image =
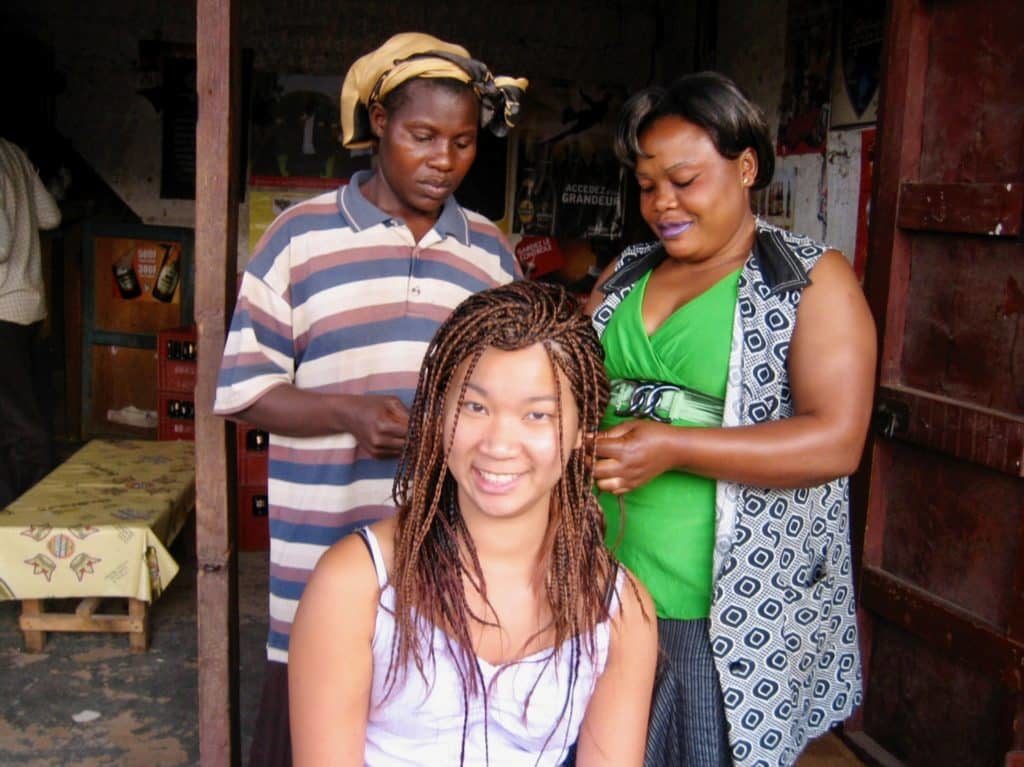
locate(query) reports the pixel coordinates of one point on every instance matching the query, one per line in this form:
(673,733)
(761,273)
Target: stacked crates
(176,383)
(252,448)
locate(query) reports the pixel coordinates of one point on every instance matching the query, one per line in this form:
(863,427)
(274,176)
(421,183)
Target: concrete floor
(87,701)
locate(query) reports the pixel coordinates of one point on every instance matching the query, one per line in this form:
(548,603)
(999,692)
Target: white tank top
(421,723)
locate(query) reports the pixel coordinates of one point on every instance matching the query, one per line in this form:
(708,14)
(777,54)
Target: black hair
(712,102)
(397,98)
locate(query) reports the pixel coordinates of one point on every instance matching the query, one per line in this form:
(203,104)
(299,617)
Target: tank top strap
(613,596)
(375,554)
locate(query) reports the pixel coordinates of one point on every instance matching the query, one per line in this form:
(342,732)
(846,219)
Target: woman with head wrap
(338,304)
(420,101)
(487,624)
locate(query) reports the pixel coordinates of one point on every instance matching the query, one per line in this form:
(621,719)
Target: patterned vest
(783,621)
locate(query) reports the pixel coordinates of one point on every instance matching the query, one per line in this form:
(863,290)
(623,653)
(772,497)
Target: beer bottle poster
(142,270)
(568,183)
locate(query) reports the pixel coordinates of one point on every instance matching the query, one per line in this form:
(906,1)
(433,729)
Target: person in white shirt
(25,207)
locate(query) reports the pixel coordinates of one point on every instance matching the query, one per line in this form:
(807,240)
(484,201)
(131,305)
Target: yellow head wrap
(413,54)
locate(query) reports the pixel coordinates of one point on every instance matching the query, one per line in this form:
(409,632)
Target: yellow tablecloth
(97,525)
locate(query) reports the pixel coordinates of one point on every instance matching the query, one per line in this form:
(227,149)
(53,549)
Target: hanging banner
(568,182)
(858,66)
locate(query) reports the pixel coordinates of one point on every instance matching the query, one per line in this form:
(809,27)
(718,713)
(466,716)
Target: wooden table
(97,528)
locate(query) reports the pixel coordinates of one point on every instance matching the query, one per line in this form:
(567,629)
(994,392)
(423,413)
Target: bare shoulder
(345,569)
(835,295)
(833,272)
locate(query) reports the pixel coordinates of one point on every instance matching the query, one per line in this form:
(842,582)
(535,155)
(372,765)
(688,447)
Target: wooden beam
(887,272)
(944,626)
(989,209)
(217,150)
(35,639)
(980,435)
(70,622)
(901,118)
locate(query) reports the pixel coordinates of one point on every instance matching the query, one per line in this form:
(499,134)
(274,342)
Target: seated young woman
(487,623)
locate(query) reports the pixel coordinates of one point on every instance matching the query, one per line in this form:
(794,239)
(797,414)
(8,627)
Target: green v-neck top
(666,536)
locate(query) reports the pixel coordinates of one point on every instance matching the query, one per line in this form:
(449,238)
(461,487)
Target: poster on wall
(295,132)
(858,66)
(568,183)
(268,202)
(806,88)
(142,271)
(774,203)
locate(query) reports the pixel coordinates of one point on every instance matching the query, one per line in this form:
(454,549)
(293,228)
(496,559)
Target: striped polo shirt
(340,298)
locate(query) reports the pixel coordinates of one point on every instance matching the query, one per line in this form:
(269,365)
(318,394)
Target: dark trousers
(26,443)
(687,727)
(272,739)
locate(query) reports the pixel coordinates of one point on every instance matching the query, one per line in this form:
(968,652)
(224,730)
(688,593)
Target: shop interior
(863,100)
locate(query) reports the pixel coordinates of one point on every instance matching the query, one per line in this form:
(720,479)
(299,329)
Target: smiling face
(427,145)
(693,198)
(505,453)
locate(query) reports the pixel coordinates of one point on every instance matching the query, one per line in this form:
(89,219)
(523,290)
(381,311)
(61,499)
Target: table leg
(138,637)
(34,640)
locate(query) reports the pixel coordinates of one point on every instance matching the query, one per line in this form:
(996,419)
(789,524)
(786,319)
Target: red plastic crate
(176,359)
(253,524)
(175,413)
(252,452)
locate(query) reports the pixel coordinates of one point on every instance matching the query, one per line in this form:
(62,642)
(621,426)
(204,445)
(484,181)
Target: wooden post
(138,636)
(34,640)
(217,150)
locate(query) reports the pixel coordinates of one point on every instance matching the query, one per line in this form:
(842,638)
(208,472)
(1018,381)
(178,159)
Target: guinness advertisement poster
(568,183)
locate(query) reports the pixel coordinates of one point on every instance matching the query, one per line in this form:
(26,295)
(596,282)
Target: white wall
(752,51)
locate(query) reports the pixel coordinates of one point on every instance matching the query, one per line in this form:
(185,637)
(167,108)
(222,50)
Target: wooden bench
(35,622)
(95,531)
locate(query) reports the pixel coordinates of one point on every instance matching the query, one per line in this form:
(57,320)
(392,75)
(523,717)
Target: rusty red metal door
(942,579)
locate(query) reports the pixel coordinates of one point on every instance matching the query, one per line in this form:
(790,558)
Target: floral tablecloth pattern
(99,524)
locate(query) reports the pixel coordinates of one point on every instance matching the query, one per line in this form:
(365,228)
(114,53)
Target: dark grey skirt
(687,727)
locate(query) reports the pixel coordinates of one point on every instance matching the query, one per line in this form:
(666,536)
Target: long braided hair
(433,549)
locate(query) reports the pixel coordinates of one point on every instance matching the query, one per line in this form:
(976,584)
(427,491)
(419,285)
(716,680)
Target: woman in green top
(741,681)
(689,349)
